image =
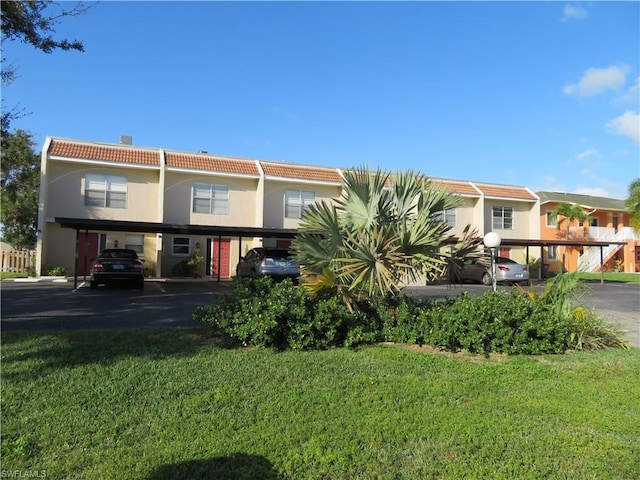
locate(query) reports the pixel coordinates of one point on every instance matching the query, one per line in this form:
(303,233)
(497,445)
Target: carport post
(601,266)
(219,256)
(86,252)
(75,264)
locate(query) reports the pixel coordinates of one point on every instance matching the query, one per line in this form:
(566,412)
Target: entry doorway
(89,245)
(218,257)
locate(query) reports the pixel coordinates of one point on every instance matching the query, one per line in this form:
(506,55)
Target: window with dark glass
(210,198)
(502,218)
(296,201)
(105,191)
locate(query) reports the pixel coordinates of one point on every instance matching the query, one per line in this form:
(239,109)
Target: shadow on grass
(238,466)
(29,355)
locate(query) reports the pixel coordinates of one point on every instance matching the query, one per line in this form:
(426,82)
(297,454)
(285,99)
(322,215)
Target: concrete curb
(38,280)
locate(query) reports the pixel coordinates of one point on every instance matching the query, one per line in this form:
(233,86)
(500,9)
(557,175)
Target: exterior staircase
(589,261)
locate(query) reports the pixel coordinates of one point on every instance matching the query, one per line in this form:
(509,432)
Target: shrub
(587,331)
(494,322)
(57,271)
(282,316)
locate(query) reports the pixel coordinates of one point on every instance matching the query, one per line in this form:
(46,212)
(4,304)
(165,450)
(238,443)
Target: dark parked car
(507,270)
(117,265)
(277,263)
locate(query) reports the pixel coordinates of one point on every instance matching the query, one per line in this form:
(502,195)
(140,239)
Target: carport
(514,242)
(86,224)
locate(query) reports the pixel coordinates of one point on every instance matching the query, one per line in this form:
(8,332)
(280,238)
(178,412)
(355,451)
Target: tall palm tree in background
(386,230)
(633,203)
(569,213)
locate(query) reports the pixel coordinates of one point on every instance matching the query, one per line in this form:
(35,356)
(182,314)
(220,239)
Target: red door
(220,253)
(504,252)
(88,246)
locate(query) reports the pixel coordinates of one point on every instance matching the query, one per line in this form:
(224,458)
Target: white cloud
(592,152)
(598,80)
(572,12)
(551,184)
(627,124)
(593,191)
(583,158)
(632,95)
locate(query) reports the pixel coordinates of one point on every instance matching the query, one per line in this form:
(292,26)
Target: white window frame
(502,221)
(552,252)
(448,216)
(551,220)
(135,243)
(104,190)
(178,244)
(296,202)
(210,198)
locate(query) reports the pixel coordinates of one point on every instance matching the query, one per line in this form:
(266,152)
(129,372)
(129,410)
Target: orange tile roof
(503,191)
(211,163)
(298,172)
(106,153)
(461,188)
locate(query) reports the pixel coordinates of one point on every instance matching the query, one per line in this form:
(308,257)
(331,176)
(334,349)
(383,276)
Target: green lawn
(611,277)
(175,404)
(7,275)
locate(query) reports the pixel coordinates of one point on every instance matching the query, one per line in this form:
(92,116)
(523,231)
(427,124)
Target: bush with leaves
(279,315)
(282,316)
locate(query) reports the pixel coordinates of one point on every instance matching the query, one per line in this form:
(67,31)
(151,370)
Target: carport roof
(215,230)
(523,242)
(172,228)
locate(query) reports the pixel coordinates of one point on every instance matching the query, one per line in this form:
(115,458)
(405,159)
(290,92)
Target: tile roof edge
(91,143)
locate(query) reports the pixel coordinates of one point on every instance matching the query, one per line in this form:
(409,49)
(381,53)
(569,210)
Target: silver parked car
(507,270)
(277,263)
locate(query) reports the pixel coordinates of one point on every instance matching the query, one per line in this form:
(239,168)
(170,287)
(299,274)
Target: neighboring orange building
(609,222)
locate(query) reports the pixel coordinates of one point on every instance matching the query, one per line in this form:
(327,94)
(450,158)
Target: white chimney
(126,140)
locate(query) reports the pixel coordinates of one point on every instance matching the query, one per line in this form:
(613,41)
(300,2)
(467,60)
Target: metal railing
(589,261)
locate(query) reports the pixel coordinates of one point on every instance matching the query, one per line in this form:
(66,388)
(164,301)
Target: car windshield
(504,260)
(119,254)
(278,253)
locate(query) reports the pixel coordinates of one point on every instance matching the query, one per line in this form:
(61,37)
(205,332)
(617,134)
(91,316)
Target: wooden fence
(17,261)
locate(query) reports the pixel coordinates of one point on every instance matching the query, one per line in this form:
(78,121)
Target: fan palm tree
(633,203)
(382,233)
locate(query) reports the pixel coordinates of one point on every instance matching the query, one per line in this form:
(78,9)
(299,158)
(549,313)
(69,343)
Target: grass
(175,404)
(7,275)
(611,277)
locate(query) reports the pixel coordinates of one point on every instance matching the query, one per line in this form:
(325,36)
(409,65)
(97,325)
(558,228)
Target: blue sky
(540,94)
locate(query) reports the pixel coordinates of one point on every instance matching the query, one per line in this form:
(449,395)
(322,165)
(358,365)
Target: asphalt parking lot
(56,306)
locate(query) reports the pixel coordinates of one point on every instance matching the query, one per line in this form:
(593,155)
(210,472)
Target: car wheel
(486,278)
(93,284)
(140,284)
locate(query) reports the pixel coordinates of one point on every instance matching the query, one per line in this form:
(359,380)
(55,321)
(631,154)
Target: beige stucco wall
(274,200)
(524,219)
(178,200)
(465,215)
(65,192)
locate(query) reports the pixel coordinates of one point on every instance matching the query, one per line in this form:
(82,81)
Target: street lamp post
(492,241)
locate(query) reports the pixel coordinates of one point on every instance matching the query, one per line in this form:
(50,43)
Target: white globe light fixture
(492,241)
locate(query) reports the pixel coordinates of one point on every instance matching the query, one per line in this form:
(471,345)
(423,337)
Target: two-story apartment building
(165,203)
(608,222)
